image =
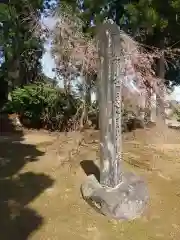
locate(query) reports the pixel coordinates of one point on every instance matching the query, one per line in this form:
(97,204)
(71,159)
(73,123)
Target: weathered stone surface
(126,201)
(119,196)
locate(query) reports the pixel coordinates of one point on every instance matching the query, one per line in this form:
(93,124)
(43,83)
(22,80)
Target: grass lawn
(40,178)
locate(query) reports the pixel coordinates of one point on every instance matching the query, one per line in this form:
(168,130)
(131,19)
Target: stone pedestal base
(126,201)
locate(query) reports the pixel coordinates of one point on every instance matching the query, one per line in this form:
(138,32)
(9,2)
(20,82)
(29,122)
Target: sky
(176,94)
(47,60)
(48,63)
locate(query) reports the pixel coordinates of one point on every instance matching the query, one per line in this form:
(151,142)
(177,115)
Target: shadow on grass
(17,190)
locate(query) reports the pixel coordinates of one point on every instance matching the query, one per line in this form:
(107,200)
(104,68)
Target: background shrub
(42,105)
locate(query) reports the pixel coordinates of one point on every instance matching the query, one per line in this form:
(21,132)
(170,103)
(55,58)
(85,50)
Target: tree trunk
(87,96)
(65,84)
(87,101)
(160,108)
(69,86)
(147,114)
(3,92)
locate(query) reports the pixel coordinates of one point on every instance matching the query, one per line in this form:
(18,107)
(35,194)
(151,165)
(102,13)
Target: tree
(74,54)
(150,22)
(21,47)
(159,23)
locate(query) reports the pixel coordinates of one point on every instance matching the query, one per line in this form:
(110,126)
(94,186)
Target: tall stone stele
(118,195)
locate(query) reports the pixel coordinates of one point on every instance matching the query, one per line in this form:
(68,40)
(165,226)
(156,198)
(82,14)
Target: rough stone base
(127,201)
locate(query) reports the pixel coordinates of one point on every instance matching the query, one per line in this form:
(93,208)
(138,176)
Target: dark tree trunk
(160,107)
(147,115)
(3,92)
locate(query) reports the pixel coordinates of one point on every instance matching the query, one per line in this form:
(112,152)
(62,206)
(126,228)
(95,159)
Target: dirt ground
(41,174)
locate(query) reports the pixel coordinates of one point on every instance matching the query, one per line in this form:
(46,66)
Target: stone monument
(119,195)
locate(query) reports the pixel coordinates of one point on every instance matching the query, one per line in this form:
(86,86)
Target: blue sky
(47,60)
(48,63)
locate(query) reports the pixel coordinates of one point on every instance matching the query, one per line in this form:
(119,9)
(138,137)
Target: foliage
(152,23)
(21,48)
(176,113)
(42,105)
(75,52)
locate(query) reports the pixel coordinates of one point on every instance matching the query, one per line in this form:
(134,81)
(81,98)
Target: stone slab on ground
(173,123)
(127,201)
